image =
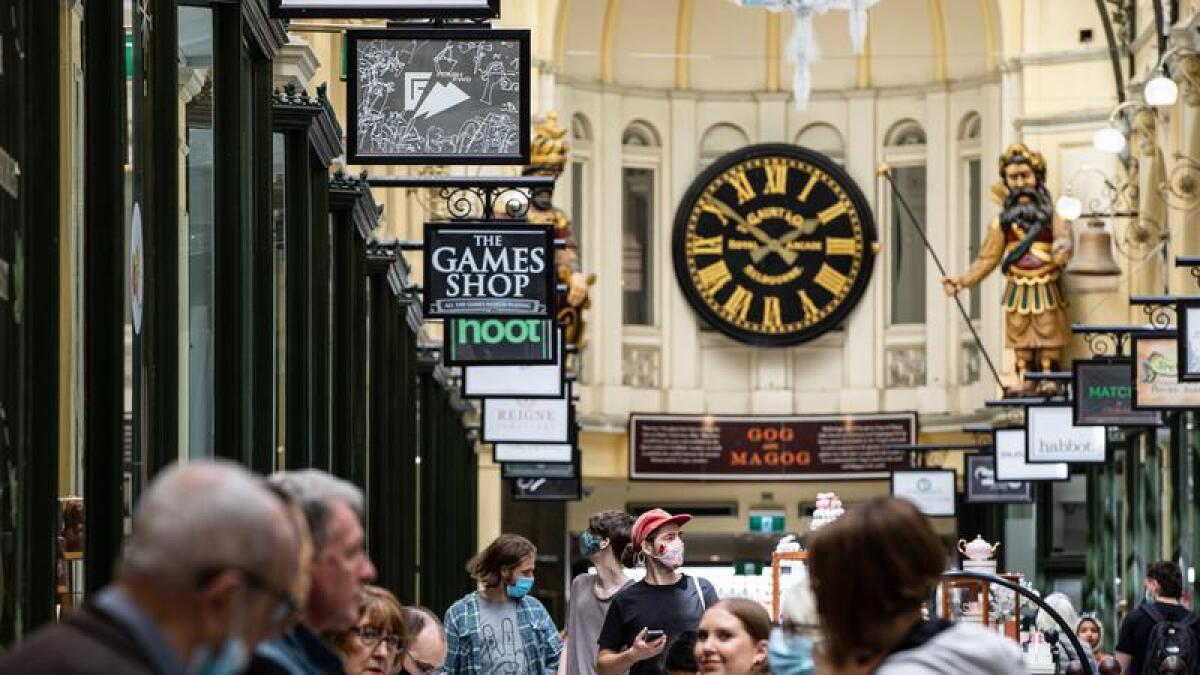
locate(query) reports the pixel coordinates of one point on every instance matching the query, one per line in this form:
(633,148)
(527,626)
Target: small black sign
(438,96)
(983,488)
(499,342)
(547,489)
(1104,396)
(541,469)
(481,270)
(385,9)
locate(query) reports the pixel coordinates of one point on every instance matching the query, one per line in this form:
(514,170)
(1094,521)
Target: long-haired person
(790,651)
(374,645)
(871,570)
(602,544)
(501,628)
(644,617)
(733,638)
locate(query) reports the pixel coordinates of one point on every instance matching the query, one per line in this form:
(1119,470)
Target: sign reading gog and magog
(479,270)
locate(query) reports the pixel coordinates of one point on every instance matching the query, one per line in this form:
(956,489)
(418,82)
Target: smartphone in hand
(653,634)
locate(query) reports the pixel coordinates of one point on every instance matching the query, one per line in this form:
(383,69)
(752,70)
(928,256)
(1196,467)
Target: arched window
(641,158)
(905,133)
(904,150)
(581,129)
(825,139)
(719,140)
(970,127)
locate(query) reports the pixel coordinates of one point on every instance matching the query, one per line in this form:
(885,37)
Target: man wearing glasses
(204,577)
(426,651)
(337,570)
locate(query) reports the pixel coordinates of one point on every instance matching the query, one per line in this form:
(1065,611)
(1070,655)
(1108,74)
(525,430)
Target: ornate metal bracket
(1159,309)
(478,198)
(1108,341)
(1192,262)
(1181,189)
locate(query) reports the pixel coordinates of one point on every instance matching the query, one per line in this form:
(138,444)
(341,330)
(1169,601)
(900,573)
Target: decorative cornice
(293,109)
(1078,117)
(268,34)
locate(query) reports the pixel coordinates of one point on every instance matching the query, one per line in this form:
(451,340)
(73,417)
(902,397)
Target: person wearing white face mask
(645,617)
(209,571)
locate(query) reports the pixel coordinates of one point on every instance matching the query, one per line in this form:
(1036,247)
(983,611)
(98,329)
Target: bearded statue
(1032,246)
(548,157)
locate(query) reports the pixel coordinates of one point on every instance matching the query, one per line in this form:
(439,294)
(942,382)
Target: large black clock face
(773,244)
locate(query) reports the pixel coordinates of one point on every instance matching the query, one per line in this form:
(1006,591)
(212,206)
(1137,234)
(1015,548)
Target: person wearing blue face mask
(207,574)
(501,629)
(600,544)
(790,648)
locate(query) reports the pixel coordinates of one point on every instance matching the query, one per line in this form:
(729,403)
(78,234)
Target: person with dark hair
(501,629)
(1161,608)
(871,572)
(645,616)
(426,652)
(601,543)
(733,638)
(681,657)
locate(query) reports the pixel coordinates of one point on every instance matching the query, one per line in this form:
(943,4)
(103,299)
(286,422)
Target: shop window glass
(1068,517)
(637,244)
(908,253)
(197,47)
(975,223)
(279,275)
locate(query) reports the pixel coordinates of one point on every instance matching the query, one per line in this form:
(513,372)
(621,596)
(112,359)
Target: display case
(785,567)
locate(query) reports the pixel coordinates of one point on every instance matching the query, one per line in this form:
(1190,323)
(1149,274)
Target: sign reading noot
(499,342)
(438,96)
(479,270)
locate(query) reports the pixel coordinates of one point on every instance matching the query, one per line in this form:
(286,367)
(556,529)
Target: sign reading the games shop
(499,342)
(748,447)
(479,270)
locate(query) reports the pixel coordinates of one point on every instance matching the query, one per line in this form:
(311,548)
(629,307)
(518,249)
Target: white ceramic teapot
(979,549)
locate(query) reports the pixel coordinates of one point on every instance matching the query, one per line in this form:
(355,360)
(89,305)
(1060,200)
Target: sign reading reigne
(1104,395)
(499,342)
(477,270)
(749,447)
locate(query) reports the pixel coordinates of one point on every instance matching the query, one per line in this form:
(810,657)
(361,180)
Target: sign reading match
(750,447)
(475,270)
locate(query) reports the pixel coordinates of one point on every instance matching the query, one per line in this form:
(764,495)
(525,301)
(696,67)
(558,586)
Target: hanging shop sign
(1156,384)
(540,469)
(541,381)
(479,270)
(548,453)
(137,269)
(748,447)
(385,9)
(982,487)
(1011,464)
(1051,435)
(932,491)
(438,96)
(1103,395)
(527,420)
(547,489)
(1187,315)
(470,342)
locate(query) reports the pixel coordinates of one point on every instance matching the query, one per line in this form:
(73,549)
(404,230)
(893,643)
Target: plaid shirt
(539,637)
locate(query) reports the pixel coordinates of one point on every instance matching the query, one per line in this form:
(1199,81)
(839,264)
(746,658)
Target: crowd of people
(225,572)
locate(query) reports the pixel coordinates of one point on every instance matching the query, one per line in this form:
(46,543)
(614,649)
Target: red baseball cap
(651,521)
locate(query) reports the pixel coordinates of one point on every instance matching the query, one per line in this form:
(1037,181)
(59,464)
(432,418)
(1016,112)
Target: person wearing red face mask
(645,617)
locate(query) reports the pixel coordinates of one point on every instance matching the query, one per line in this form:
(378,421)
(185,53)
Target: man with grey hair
(338,569)
(203,579)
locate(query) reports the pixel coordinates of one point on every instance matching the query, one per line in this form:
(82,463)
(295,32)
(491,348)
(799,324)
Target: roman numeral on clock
(741,182)
(772,313)
(776,179)
(838,209)
(705,245)
(715,276)
(810,308)
(831,279)
(840,246)
(738,304)
(813,178)
(708,206)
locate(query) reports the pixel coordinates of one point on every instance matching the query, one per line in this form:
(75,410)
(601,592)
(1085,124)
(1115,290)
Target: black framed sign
(544,453)
(527,420)
(535,381)
(1187,316)
(438,96)
(481,270)
(499,342)
(1011,464)
(932,491)
(1051,435)
(1103,394)
(385,9)
(1155,370)
(982,487)
(547,489)
(540,469)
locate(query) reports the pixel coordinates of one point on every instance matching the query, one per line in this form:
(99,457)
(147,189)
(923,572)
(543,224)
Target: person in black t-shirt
(666,601)
(1164,588)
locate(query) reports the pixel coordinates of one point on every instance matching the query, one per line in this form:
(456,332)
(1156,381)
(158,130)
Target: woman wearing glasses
(374,646)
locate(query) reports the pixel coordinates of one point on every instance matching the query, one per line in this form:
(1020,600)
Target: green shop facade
(183,275)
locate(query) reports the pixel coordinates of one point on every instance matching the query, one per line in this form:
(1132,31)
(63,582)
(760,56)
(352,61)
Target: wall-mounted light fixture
(1161,89)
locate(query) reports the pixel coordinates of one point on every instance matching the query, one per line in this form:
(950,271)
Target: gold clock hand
(788,257)
(760,252)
